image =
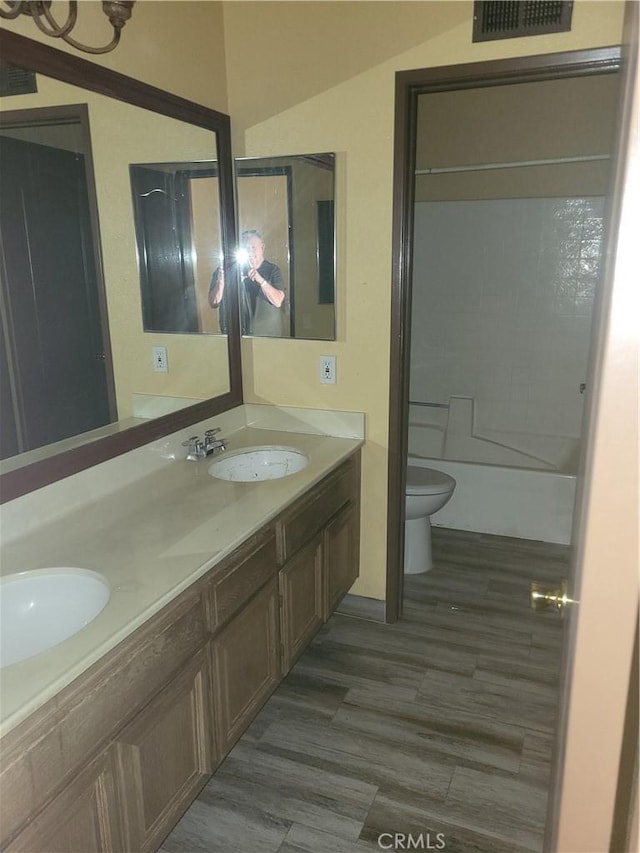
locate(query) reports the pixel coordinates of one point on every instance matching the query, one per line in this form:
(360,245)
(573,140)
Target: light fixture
(118,12)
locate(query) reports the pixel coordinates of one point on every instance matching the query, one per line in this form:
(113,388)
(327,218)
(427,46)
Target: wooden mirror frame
(42,59)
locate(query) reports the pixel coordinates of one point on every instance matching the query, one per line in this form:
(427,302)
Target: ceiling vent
(494,19)
(16,81)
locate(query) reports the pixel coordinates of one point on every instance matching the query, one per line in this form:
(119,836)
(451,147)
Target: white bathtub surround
(503,293)
(452,433)
(523,503)
(27,513)
(509,484)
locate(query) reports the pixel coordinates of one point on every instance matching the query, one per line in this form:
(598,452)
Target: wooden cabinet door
(166,755)
(341,547)
(83,819)
(246,664)
(302,601)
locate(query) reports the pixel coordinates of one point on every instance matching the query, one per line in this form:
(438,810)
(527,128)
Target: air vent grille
(494,19)
(16,81)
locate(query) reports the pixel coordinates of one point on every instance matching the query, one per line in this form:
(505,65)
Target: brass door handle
(544,597)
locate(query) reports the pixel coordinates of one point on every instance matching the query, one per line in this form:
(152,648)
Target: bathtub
(520,502)
(508,484)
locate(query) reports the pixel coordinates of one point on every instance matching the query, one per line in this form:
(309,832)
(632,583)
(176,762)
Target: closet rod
(439,170)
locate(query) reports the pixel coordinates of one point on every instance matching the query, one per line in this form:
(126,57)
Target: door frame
(409,85)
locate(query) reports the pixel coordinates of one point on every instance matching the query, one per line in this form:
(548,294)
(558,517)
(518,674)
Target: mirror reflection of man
(262,292)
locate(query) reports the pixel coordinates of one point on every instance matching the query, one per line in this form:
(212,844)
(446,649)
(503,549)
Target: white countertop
(151,540)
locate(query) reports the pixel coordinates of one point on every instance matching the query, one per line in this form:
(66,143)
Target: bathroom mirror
(285,205)
(289,202)
(130,123)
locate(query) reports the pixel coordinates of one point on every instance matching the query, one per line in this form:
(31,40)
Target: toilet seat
(426,481)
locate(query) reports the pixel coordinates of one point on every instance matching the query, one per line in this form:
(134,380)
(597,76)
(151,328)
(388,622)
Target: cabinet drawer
(310,515)
(248,570)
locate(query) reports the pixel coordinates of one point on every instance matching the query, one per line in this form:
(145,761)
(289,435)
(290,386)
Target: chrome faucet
(199,449)
(213,445)
(196,448)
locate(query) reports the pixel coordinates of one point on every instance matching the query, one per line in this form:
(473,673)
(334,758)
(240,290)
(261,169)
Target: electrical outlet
(328,369)
(160,364)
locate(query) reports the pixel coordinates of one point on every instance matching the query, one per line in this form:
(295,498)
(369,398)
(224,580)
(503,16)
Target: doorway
(410,87)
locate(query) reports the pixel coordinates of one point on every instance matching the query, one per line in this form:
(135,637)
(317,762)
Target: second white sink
(43,607)
(259,463)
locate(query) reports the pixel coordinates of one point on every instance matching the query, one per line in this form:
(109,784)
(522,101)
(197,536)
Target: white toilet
(427,491)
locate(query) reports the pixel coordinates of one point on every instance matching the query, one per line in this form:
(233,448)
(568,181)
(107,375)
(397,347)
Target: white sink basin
(41,608)
(259,463)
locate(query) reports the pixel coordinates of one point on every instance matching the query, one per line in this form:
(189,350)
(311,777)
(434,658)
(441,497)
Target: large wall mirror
(80,383)
(283,264)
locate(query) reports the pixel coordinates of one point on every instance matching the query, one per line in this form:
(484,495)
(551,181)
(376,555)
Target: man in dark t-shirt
(262,292)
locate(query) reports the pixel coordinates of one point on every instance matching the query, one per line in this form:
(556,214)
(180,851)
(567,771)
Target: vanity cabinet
(113,760)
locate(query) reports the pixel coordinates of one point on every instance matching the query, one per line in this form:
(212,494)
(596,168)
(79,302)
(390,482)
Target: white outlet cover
(327,369)
(160,364)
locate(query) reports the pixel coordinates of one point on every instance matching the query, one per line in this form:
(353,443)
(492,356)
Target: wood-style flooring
(441,723)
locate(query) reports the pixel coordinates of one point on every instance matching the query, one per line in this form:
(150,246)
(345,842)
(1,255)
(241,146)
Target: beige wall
(335,92)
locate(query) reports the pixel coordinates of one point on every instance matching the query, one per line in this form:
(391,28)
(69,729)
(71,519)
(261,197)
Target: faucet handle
(192,442)
(209,433)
